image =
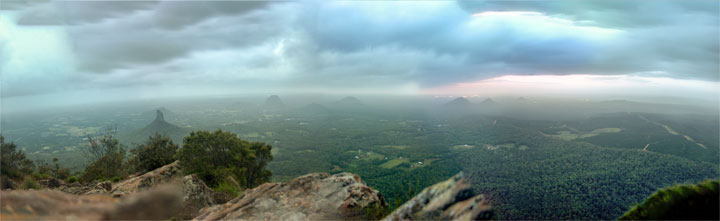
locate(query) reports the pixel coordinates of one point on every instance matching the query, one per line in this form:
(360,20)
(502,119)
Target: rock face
(86,189)
(159,203)
(317,196)
(449,200)
(160,175)
(195,194)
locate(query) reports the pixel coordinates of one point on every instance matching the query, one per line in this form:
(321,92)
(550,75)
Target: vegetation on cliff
(681,202)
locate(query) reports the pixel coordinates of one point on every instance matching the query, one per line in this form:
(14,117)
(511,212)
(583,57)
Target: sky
(83,51)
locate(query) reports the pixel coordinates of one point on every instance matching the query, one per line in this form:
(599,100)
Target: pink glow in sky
(580,84)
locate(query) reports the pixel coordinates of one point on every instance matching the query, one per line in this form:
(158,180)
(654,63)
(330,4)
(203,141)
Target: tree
(220,156)
(261,156)
(13,162)
(107,156)
(157,151)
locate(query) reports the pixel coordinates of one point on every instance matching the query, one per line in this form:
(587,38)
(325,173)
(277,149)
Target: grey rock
(317,196)
(452,199)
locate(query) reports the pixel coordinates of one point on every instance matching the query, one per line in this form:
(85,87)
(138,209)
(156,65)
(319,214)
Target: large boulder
(160,203)
(158,176)
(196,195)
(452,199)
(317,196)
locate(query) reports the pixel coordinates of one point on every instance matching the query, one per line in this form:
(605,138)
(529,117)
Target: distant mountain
(274,102)
(348,102)
(488,101)
(458,102)
(153,113)
(159,125)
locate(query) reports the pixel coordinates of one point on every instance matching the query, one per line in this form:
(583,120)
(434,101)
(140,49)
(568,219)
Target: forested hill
(539,177)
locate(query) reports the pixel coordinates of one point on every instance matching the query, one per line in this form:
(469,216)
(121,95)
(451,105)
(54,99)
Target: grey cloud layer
(376,43)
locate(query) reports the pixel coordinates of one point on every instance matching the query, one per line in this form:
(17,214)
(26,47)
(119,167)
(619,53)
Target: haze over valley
(541,109)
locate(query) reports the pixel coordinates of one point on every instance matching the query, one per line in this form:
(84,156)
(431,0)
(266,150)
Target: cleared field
(394,162)
(367,155)
(462,147)
(399,147)
(568,135)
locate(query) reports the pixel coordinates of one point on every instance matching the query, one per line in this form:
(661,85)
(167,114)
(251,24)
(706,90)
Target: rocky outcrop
(160,203)
(51,183)
(85,189)
(160,175)
(452,199)
(196,196)
(317,196)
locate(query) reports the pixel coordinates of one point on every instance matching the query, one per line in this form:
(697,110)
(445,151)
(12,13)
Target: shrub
(71,179)
(217,155)
(228,188)
(29,183)
(41,176)
(103,168)
(116,179)
(157,151)
(107,155)
(13,162)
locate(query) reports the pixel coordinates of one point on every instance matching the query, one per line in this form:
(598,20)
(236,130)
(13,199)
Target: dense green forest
(595,167)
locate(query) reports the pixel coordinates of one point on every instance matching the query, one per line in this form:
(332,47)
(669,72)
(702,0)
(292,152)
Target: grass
(394,162)
(399,147)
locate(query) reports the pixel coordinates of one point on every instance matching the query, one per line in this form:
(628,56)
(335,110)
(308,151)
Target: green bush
(107,155)
(13,163)
(71,179)
(228,188)
(116,179)
(682,202)
(41,176)
(157,151)
(29,183)
(218,155)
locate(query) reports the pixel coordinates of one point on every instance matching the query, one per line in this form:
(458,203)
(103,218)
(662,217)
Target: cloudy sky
(177,48)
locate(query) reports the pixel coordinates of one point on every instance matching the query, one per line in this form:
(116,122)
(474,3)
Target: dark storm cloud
(348,44)
(149,32)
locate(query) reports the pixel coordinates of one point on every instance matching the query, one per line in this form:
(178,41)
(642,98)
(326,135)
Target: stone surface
(317,196)
(160,175)
(159,203)
(196,196)
(452,199)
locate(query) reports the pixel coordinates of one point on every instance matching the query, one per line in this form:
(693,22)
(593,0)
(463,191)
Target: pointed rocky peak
(273,101)
(458,102)
(159,116)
